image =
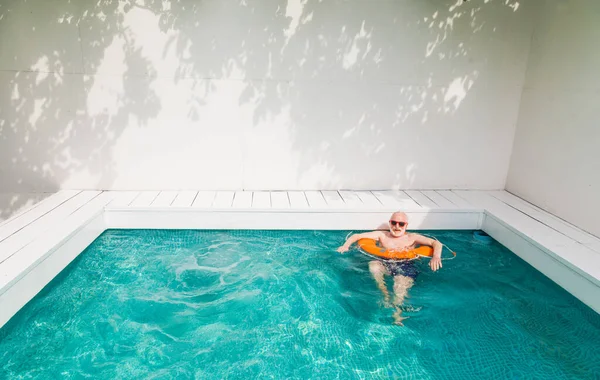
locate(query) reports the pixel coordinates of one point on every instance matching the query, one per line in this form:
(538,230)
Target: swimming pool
(238,304)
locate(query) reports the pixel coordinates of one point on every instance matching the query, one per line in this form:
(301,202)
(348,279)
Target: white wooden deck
(38,243)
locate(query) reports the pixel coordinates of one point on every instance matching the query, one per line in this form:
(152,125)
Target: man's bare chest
(398,243)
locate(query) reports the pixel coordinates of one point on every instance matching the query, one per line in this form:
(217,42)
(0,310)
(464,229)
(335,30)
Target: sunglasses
(394,222)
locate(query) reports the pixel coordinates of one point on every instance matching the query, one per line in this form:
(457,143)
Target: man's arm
(375,235)
(436,261)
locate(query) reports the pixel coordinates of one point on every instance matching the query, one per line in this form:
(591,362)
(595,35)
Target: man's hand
(435,263)
(343,249)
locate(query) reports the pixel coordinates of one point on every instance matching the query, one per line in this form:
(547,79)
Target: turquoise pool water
(245,304)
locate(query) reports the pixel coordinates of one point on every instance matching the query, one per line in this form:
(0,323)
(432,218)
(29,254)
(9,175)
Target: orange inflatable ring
(370,246)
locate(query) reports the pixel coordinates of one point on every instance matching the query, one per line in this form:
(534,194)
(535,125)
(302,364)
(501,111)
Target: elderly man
(403,271)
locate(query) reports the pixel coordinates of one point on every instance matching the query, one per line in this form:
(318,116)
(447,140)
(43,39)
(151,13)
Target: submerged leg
(401,286)
(378,272)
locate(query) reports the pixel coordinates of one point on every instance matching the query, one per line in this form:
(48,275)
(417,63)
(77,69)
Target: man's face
(398,224)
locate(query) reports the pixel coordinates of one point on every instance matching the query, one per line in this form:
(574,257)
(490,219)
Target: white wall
(556,158)
(259,94)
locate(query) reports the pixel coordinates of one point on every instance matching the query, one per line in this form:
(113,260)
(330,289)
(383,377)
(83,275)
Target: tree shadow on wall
(294,86)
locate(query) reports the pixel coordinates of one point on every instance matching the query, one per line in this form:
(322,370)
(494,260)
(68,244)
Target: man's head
(398,223)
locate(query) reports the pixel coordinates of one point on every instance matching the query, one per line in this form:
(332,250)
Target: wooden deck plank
(516,219)
(441,201)
(333,199)
(369,200)
(204,199)
(184,199)
(144,199)
(387,199)
(262,200)
(242,199)
(544,217)
(351,199)
(122,198)
(15,224)
(280,199)
(32,231)
(480,199)
(16,265)
(223,199)
(458,201)
(594,246)
(315,199)
(407,200)
(298,200)
(396,199)
(164,199)
(421,199)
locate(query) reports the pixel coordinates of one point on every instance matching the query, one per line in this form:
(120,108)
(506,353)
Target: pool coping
(47,240)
